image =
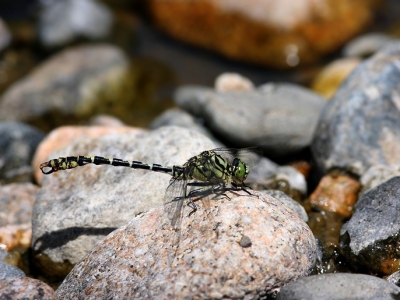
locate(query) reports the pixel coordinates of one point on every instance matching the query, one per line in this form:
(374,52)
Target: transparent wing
(173,201)
(250,156)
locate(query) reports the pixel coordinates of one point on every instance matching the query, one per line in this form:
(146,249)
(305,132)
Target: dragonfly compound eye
(240,170)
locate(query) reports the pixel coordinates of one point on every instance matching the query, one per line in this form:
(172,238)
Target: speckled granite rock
(241,247)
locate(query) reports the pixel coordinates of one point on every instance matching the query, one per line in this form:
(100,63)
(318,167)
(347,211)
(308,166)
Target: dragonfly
(214,169)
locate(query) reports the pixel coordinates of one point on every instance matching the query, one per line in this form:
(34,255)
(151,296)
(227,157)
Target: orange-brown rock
(336,193)
(273,33)
(63,136)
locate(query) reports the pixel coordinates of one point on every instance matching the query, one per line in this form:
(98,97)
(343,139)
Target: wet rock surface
(339,286)
(77,208)
(336,193)
(360,126)
(280,118)
(138,260)
(369,239)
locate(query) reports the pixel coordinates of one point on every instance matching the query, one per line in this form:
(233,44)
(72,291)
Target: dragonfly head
(239,171)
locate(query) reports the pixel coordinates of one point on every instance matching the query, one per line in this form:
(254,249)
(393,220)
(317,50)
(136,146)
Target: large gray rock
(340,286)
(72,85)
(370,238)
(239,247)
(280,118)
(360,126)
(75,209)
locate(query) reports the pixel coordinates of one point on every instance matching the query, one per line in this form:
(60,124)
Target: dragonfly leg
(193,206)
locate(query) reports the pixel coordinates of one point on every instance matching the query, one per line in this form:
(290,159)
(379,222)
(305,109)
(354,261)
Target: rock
(26,288)
(268,175)
(360,126)
(15,63)
(5,36)
(63,22)
(394,278)
(77,208)
(137,260)
(303,166)
(230,82)
(339,286)
(105,120)
(7,271)
(331,77)
(377,175)
(280,118)
(280,34)
(16,203)
(63,136)
(289,202)
(178,117)
(336,193)
(71,86)
(367,44)
(293,177)
(18,143)
(369,239)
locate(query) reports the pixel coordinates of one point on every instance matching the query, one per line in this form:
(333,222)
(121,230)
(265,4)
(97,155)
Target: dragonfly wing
(173,201)
(250,156)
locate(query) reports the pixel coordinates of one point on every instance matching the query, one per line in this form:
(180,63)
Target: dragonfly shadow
(61,237)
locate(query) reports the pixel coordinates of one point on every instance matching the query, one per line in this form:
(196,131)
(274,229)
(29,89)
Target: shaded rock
(280,118)
(26,288)
(77,208)
(7,271)
(66,135)
(15,63)
(332,76)
(134,261)
(377,175)
(336,193)
(369,240)
(71,86)
(5,36)
(280,34)
(18,143)
(367,44)
(360,126)
(229,82)
(65,21)
(339,286)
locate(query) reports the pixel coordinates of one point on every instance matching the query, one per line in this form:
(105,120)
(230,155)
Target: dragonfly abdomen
(70,162)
